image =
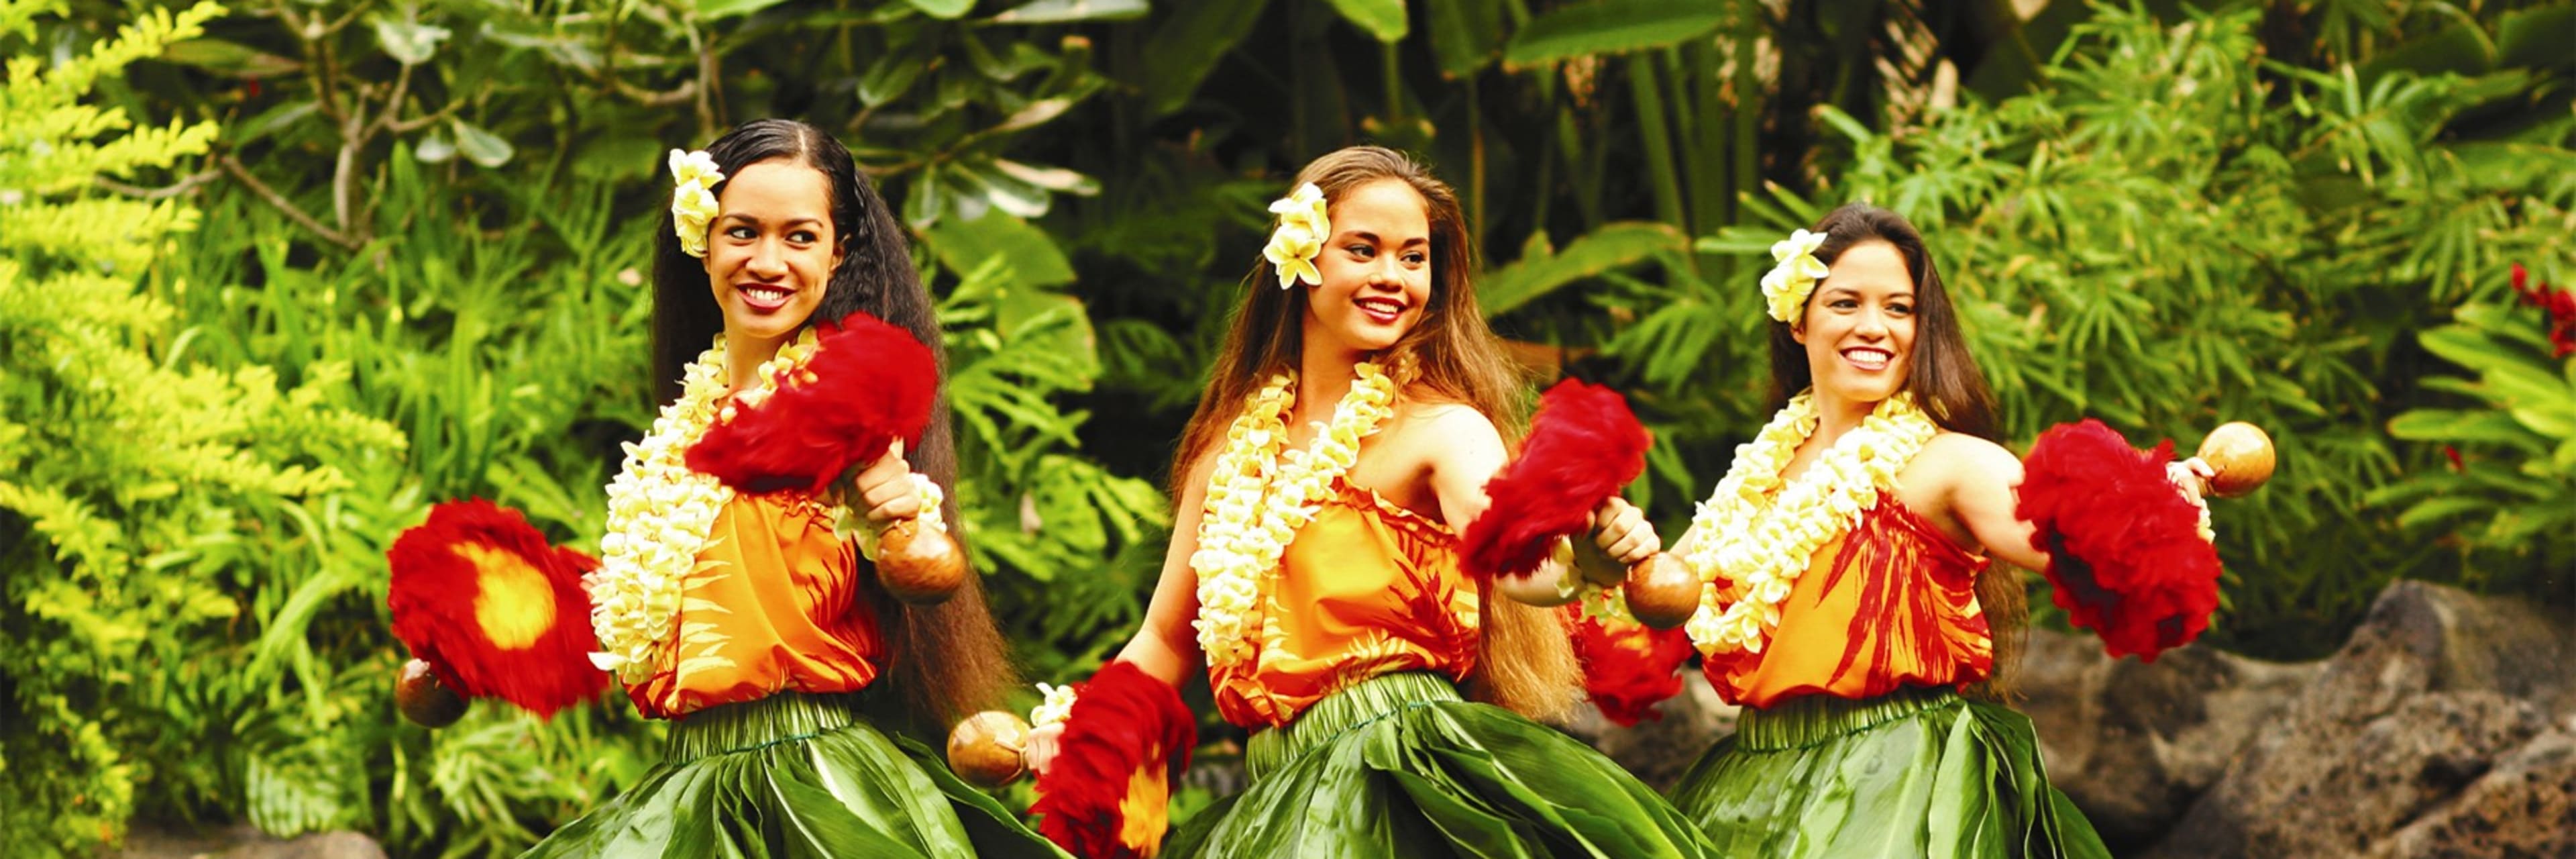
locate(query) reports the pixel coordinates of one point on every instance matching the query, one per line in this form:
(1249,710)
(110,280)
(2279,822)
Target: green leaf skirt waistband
(795,775)
(1915,773)
(1399,765)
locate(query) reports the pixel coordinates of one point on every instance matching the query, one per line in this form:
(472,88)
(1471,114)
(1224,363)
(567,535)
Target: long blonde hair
(1526,663)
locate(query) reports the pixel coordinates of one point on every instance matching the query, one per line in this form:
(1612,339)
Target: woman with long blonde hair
(1350,424)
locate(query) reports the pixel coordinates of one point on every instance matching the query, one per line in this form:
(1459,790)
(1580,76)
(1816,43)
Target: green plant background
(280,275)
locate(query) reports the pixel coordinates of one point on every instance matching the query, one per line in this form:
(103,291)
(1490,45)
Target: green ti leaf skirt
(796,775)
(1400,766)
(1915,773)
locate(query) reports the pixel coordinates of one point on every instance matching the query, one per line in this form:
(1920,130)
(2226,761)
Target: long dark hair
(1945,382)
(1941,373)
(1450,355)
(946,660)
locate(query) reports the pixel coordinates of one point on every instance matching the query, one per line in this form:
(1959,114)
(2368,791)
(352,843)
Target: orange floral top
(1891,604)
(774,605)
(1365,589)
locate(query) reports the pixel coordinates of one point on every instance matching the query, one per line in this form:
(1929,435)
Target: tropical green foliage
(2167,237)
(327,262)
(144,483)
(2507,504)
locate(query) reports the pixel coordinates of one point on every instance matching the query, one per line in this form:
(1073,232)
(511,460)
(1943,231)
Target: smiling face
(1859,326)
(772,250)
(1376,268)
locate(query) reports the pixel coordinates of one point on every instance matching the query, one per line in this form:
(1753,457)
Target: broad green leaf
(926,204)
(2457,49)
(2536,37)
(716,10)
(1541,270)
(1383,19)
(2437,509)
(1611,27)
(944,9)
(410,43)
(271,121)
(1050,178)
(1063,11)
(890,79)
(1187,45)
(2524,386)
(2454,425)
(2551,420)
(1034,260)
(1465,34)
(1003,192)
(480,146)
(435,147)
(229,58)
(2462,346)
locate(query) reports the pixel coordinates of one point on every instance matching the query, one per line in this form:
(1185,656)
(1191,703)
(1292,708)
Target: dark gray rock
(2524,807)
(2432,690)
(2134,743)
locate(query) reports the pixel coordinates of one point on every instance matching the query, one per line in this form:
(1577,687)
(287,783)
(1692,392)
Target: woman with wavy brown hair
(748,619)
(1350,424)
(1850,602)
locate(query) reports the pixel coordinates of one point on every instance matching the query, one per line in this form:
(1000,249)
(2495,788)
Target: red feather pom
(868,384)
(2124,547)
(1582,447)
(496,612)
(1127,740)
(1628,667)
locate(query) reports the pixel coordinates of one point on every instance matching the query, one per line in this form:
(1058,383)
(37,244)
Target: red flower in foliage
(1627,667)
(1582,447)
(2124,546)
(1108,793)
(868,384)
(495,611)
(2559,303)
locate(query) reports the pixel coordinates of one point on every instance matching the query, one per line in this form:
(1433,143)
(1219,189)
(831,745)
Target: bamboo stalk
(1646,86)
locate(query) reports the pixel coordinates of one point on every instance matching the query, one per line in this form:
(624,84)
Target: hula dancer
(1849,594)
(1345,439)
(731,596)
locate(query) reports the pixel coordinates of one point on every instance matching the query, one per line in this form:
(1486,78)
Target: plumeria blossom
(1057,707)
(693,200)
(1257,500)
(659,512)
(1786,286)
(1303,226)
(1748,549)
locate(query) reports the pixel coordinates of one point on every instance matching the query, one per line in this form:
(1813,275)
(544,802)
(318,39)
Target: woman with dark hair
(1352,419)
(748,619)
(1849,593)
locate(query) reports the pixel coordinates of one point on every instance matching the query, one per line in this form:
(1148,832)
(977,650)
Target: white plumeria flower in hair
(693,201)
(1785,287)
(1303,225)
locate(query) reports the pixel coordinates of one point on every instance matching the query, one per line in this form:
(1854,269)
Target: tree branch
(183,186)
(242,174)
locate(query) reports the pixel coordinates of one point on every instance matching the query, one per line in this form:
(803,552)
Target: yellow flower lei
(1257,500)
(659,512)
(1749,546)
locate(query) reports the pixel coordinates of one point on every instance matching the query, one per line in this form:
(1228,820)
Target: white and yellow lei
(1257,499)
(659,512)
(1749,545)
